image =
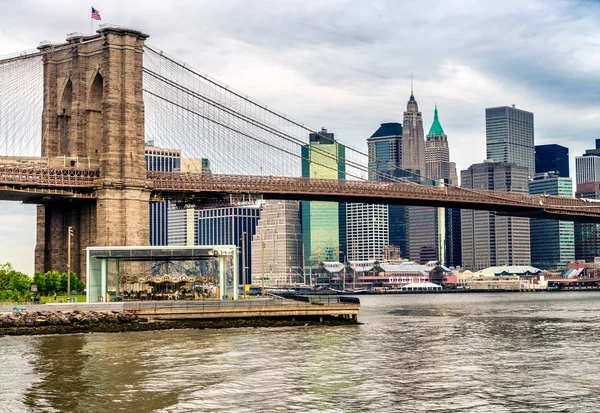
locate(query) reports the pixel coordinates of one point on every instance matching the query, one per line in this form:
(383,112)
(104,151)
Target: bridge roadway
(35,184)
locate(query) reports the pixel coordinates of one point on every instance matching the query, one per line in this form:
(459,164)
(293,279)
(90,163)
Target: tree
(14,285)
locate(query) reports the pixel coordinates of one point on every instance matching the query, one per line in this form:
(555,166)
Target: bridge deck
(33,183)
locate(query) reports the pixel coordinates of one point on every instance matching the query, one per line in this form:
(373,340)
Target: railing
(169,184)
(319,299)
(222,304)
(207,183)
(44,176)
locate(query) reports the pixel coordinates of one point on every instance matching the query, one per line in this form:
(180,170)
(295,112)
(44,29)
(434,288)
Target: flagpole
(91,24)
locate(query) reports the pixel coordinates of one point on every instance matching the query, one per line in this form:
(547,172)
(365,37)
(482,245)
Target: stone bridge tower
(94,115)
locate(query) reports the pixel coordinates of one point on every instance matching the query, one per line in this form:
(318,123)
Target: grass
(50,300)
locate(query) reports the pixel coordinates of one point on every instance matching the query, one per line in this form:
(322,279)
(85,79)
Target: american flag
(95,14)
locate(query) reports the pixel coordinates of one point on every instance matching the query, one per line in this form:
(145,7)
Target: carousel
(170,281)
(161,273)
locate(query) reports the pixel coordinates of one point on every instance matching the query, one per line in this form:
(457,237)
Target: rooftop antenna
(411,85)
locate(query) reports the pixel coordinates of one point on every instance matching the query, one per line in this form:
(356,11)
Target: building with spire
(434,233)
(437,153)
(413,141)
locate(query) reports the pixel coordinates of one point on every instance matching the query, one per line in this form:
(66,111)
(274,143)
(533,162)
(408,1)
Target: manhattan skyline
(285,55)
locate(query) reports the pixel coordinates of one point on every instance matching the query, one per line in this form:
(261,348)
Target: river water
(518,352)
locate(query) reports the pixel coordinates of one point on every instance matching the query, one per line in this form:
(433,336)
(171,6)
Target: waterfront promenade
(302,307)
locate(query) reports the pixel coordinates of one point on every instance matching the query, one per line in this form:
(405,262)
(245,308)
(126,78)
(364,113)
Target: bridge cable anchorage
(245,101)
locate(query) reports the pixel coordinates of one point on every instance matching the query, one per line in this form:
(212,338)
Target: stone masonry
(94,113)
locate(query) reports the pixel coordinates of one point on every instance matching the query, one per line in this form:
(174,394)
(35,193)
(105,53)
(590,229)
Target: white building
(367,231)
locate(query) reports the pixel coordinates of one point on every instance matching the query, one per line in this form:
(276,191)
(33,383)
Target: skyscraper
(587,234)
(552,241)
(183,221)
(587,167)
(428,227)
(509,136)
(489,239)
(161,160)
(437,153)
(277,244)
(367,231)
(323,223)
(385,163)
(413,139)
(225,226)
(552,158)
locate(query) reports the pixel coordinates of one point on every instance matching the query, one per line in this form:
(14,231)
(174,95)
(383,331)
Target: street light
(244,279)
(69,235)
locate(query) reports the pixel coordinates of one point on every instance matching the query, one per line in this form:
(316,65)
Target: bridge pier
(94,110)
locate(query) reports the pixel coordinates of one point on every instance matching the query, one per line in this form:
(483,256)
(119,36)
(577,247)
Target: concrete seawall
(160,315)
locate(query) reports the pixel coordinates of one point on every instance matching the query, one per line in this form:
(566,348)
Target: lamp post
(244,262)
(69,235)
(262,253)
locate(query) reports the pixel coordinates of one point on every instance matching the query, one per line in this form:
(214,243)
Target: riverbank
(71,322)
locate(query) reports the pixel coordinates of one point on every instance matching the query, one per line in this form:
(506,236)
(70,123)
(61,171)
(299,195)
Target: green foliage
(53,282)
(14,285)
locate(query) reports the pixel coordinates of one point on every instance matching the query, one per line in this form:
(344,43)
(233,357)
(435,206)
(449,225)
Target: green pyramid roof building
(436,128)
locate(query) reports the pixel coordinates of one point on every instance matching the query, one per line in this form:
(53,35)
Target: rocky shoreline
(70,322)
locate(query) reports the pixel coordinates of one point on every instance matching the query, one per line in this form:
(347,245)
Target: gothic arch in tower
(64,118)
(95,124)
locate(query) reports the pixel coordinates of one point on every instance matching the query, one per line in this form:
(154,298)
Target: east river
(517,352)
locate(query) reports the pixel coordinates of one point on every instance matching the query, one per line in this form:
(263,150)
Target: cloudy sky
(346,64)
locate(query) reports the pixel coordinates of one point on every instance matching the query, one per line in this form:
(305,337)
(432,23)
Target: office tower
(161,160)
(277,244)
(509,136)
(182,228)
(367,231)
(225,226)
(587,167)
(587,234)
(552,241)
(552,158)
(489,239)
(323,223)
(413,139)
(385,163)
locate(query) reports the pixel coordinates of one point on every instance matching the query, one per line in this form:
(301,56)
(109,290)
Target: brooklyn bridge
(75,118)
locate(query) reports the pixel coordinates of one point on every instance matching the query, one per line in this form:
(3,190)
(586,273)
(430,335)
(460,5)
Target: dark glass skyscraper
(385,163)
(162,160)
(552,158)
(225,226)
(587,234)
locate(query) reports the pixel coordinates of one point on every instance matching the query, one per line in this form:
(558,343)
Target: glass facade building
(509,136)
(323,223)
(552,158)
(161,160)
(587,234)
(225,226)
(552,241)
(385,163)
